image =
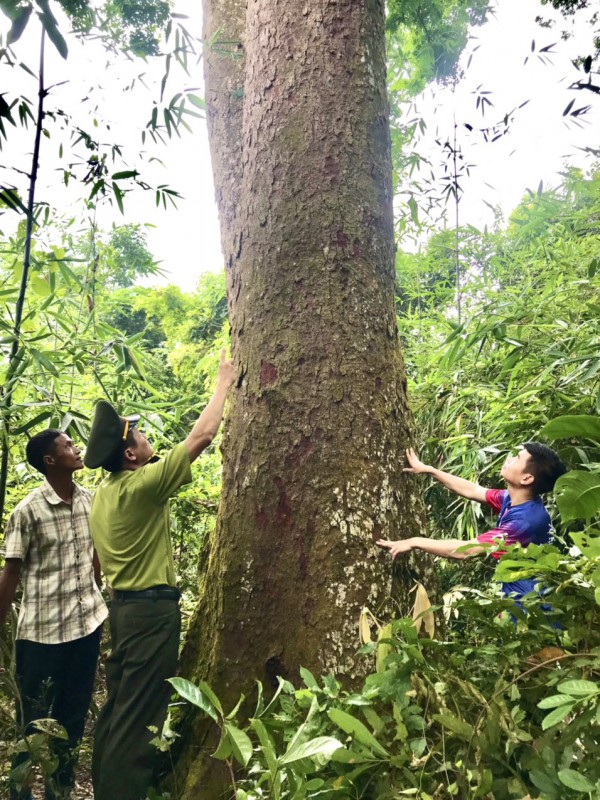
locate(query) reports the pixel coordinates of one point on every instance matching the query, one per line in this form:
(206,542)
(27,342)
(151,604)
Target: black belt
(154,593)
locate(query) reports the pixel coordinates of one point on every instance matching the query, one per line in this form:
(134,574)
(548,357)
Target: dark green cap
(109,431)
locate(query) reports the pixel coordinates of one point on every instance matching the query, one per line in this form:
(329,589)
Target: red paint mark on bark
(302,450)
(305,542)
(261,517)
(331,169)
(303,564)
(268,373)
(283,514)
(341,240)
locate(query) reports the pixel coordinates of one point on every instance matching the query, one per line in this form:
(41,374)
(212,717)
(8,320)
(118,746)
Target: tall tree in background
(298,121)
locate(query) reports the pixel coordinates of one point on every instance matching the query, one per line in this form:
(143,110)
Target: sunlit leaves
(578,495)
(584,426)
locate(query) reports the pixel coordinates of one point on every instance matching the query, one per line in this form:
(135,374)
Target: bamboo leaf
(19,24)
(51,27)
(44,415)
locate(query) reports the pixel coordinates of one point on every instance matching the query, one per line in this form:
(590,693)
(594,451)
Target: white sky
(187,241)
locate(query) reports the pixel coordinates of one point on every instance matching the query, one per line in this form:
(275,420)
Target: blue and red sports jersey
(526,523)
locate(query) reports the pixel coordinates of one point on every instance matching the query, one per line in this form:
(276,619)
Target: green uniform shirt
(129,521)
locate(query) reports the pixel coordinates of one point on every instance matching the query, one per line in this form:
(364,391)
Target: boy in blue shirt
(522,516)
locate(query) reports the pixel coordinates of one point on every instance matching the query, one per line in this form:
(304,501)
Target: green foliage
(134,25)
(505,706)
(430,36)
(137,23)
(526,353)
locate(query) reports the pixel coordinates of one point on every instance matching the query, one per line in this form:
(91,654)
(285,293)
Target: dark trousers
(56,680)
(145,641)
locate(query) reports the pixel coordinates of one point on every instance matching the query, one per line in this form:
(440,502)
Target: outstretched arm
(9,580)
(468,489)
(447,548)
(207,424)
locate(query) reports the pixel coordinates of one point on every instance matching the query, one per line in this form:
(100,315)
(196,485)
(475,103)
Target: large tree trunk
(317,428)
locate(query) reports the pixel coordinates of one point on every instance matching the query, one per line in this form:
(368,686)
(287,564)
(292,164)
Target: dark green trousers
(145,641)
(56,680)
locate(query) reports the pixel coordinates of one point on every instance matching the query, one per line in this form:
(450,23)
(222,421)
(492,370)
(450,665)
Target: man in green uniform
(130,527)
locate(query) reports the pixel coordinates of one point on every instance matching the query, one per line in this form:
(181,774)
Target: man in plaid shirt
(48,548)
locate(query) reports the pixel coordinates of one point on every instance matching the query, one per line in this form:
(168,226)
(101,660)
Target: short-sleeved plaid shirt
(61,601)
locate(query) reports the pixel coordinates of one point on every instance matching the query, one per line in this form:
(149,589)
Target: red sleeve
(495,536)
(495,498)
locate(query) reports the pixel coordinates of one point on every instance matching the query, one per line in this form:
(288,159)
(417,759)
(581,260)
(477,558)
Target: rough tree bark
(317,428)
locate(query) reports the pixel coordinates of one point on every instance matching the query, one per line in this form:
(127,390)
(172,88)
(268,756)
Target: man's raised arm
(207,424)
(468,489)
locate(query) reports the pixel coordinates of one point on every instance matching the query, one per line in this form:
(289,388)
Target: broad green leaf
(555,700)
(266,745)
(575,780)
(211,696)
(557,715)
(578,495)
(51,727)
(589,544)
(300,732)
(236,708)
(40,286)
(224,748)
(570,426)
(343,756)
(192,694)
(321,746)
(543,782)
(579,687)
(241,744)
(308,678)
(356,728)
